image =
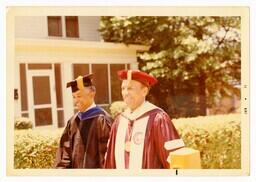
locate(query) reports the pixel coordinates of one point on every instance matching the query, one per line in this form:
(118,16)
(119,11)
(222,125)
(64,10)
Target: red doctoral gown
(151,135)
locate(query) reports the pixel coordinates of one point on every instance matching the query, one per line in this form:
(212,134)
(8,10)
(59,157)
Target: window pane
(115,82)
(43,116)
(61,119)
(80,69)
(25,115)
(58,85)
(23,88)
(39,66)
(72,26)
(41,90)
(100,81)
(54,26)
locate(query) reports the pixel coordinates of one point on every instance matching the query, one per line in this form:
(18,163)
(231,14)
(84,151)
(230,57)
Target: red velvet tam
(137,75)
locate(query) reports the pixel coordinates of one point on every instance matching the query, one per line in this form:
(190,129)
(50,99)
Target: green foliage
(218,138)
(117,108)
(35,148)
(22,123)
(195,57)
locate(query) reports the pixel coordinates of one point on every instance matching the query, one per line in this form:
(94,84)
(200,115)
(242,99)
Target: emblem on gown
(138,138)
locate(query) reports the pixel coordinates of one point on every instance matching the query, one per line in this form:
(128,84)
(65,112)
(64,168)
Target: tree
(196,59)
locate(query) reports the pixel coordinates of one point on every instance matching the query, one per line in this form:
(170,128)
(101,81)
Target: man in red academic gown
(143,135)
(84,141)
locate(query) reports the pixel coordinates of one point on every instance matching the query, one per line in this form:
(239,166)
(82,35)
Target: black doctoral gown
(84,141)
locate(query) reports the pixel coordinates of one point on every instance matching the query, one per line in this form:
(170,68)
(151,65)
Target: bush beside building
(218,138)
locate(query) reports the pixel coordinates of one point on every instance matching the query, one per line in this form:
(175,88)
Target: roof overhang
(52,43)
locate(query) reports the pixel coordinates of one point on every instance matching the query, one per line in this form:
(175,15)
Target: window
(71,26)
(63,26)
(100,81)
(42,84)
(115,82)
(108,86)
(23,88)
(59,97)
(54,26)
(80,69)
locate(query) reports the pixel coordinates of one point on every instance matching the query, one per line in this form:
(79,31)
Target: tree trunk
(202,95)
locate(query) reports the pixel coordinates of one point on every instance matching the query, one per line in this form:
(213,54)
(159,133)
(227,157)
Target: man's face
(83,98)
(133,93)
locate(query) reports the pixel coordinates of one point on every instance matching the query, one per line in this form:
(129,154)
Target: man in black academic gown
(84,141)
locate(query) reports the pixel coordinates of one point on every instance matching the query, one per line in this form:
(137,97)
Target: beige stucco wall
(36,27)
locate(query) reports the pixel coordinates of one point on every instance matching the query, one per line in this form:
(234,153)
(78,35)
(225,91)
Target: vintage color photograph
(127,89)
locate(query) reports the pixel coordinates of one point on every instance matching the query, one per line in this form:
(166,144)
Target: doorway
(42,97)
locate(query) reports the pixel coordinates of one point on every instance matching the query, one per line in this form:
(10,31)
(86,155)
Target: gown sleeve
(104,126)
(163,131)
(63,155)
(110,162)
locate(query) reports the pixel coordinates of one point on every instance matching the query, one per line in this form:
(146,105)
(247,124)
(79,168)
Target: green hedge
(218,138)
(35,148)
(22,123)
(117,108)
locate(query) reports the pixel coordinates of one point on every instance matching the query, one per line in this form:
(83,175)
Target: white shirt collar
(143,108)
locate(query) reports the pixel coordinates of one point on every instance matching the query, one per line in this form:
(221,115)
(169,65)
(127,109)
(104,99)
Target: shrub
(23,123)
(117,108)
(35,148)
(218,138)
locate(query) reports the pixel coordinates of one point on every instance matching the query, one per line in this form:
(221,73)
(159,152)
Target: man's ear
(92,93)
(145,91)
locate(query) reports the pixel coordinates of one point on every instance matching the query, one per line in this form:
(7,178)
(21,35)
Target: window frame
(63,27)
(73,19)
(60,33)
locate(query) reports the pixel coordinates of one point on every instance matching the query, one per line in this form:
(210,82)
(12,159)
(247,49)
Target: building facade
(52,50)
